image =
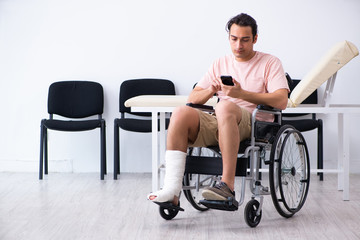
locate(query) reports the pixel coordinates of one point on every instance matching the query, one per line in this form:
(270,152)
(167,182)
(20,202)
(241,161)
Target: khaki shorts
(208,132)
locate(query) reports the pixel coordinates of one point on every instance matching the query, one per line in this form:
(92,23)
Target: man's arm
(200,95)
(277,99)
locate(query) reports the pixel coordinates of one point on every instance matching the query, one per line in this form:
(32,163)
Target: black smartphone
(227,80)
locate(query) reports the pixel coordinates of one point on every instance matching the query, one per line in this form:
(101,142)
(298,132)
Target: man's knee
(228,109)
(184,115)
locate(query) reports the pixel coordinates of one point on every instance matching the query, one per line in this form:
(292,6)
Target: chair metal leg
(104,147)
(116,150)
(46,150)
(320,149)
(102,150)
(41,151)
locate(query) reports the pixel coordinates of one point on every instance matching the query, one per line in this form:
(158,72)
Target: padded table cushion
(338,56)
(162,101)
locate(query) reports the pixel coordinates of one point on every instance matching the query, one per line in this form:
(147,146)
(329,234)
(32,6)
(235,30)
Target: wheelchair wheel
(289,171)
(251,219)
(168,214)
(191,191)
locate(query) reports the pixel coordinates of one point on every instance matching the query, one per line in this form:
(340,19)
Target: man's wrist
(211,91)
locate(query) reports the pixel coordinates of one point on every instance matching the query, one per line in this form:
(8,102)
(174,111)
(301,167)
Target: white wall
(42,41)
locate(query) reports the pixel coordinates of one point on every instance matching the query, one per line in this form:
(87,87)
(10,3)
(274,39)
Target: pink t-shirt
(262,74)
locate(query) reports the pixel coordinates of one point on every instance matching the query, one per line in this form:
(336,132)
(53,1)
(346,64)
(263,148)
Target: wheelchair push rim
(289,171)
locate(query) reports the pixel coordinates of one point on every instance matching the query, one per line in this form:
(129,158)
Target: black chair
(307,122)
(74,100)
(133,88)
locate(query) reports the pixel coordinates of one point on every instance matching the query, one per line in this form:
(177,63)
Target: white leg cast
(174,173)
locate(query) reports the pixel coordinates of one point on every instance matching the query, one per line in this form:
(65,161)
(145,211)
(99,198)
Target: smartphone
(227,80)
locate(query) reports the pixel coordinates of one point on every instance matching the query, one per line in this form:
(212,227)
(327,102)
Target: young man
(258,78)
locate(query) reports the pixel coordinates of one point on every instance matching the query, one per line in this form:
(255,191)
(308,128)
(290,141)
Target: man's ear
(255,38)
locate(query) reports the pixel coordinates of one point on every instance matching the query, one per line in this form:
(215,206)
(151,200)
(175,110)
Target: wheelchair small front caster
(251,208)
(168,211)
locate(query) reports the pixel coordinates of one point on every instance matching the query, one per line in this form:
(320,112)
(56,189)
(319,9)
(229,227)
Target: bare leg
(229,116)
(183,128)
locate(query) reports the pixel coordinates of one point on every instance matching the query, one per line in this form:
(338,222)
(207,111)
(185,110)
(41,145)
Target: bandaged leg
(174,173)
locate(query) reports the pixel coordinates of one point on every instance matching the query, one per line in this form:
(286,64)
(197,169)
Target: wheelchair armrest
(205,108)
(267,108)
(265,131)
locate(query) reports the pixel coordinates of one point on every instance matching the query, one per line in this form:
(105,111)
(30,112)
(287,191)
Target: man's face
(242,42)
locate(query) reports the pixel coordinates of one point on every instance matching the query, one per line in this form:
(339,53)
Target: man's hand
(215,85)
(200,96)
(232,91)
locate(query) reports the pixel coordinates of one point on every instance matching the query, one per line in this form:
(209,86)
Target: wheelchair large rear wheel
(193,184)
(289,171)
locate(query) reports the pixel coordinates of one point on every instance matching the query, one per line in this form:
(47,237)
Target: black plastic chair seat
(138,125)
(303,125)
(72,126)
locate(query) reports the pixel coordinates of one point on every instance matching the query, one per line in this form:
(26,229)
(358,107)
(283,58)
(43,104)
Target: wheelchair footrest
(228,205)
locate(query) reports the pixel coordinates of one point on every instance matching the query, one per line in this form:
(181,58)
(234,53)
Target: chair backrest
(147,86)
(76,99)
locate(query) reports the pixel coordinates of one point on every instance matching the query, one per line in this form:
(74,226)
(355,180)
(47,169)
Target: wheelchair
(282,148)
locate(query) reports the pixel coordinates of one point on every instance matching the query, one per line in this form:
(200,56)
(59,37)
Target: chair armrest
(205,108)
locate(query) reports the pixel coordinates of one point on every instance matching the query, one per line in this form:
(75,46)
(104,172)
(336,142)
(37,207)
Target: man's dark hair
(243,20)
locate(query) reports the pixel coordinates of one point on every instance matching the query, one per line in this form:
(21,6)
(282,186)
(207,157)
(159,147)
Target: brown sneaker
(219,192)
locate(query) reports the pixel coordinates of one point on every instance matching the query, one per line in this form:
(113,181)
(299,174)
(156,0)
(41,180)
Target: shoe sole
(210,195)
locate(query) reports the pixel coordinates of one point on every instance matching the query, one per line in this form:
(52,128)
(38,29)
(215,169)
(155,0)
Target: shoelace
(221,185)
